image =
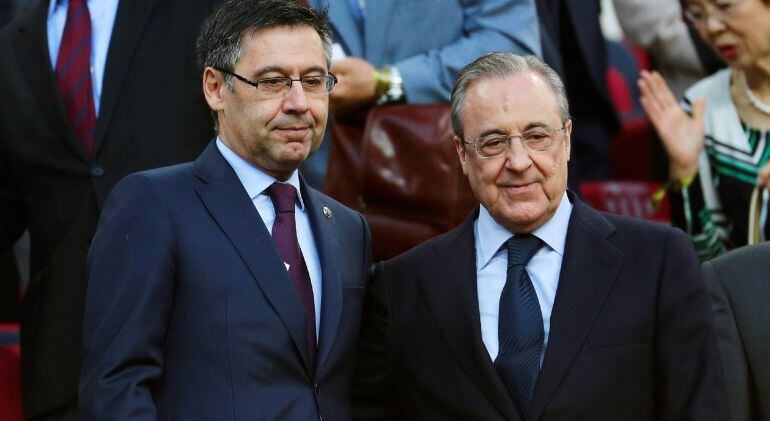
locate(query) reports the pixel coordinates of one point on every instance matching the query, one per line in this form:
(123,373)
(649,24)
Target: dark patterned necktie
(284,234)
(520,325)
(73,72)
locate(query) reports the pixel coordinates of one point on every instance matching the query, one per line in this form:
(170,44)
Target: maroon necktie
(285,236)
(73,72)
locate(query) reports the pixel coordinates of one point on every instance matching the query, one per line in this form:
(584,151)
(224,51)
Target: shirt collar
(490,235)
(254,179)
(53,5)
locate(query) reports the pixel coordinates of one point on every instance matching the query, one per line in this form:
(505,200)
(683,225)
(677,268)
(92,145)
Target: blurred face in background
(738,30)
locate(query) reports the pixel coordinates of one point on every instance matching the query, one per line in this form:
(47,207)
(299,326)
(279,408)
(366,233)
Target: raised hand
(682,135)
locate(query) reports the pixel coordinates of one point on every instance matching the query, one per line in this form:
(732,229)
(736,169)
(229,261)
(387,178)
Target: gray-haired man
(537,307)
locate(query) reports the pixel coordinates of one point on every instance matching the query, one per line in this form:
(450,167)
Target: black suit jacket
(152,114)
(740,291)
(631,333)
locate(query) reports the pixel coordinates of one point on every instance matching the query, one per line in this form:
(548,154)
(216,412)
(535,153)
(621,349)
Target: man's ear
(213,85)
(568,137)
(461,153)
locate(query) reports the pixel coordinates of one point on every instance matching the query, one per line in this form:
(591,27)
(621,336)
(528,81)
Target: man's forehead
(512,85)
(284,47)
(519,94)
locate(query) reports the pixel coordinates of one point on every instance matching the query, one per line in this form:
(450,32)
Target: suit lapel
(326,243)
(226,200)
(32,51)
(377,18)
(449,285)
(131,19)
(588,272)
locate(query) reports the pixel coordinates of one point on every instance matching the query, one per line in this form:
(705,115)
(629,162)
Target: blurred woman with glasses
(718,139)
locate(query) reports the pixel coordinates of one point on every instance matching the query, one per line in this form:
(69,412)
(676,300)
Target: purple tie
(285,236)
(73,72)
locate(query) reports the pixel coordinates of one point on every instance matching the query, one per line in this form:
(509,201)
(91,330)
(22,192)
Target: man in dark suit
(537,307)
(739,283)
(574,46)
(145,110)
(227,288)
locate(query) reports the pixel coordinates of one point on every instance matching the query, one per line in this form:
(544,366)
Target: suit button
(97,172)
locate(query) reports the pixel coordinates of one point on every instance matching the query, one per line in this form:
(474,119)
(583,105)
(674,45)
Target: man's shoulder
(636,236)
(460,237)
(744,268)
(161,182)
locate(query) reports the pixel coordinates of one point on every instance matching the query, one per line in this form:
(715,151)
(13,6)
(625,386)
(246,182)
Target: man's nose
(517,157)
(296,99)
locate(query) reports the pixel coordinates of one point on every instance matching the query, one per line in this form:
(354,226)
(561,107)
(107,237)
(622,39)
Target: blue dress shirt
(255,181)
(103,14)
(492,267)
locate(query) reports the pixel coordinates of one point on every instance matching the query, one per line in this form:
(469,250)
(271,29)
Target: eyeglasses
(274,87)
(538,139)
(697,13)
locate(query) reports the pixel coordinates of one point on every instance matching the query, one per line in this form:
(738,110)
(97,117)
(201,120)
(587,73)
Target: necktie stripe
(61,71)
(520,325)
(75,90)
(73,73)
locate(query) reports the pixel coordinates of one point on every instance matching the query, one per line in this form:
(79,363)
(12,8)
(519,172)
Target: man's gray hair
(500,65)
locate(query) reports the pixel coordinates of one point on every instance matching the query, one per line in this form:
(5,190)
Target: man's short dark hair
(220,41)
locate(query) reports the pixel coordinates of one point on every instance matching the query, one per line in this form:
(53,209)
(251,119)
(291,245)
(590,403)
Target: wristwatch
(388,85)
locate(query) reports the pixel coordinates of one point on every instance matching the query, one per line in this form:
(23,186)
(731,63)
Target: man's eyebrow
(532,125)
(277,69)
(491,132)
(537,125)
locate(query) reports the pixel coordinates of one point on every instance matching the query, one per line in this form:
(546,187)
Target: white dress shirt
(103,14)
(255,181)
(492,268)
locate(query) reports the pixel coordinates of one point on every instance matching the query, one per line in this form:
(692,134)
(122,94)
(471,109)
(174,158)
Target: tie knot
(521,248)
(283,196)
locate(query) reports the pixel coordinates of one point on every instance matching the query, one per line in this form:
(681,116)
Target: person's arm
(689,379)
(730,347)
(372,393)
(13,215)
(13,221)
(128,302)
(682,131)
(489,25)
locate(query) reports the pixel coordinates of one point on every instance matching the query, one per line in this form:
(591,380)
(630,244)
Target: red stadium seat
(629,198)
(10,380)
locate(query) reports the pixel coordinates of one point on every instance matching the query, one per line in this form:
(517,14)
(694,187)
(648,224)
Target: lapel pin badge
(327,212)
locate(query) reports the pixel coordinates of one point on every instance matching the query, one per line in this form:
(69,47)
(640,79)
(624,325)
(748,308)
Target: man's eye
(312,82)
(272,82)
(535,136)
(493,143)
